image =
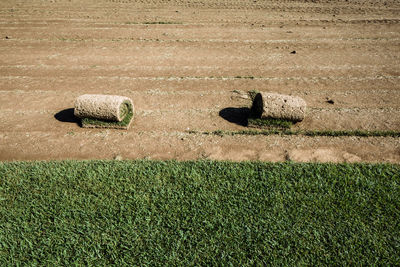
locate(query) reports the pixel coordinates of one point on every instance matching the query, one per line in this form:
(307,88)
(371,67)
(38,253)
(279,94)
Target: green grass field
(198,213)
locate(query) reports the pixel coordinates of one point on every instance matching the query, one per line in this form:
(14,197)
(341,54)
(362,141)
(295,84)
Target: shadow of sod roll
(67,115)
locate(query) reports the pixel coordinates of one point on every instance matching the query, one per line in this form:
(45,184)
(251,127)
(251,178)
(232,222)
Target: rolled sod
(277,106)
(104,111)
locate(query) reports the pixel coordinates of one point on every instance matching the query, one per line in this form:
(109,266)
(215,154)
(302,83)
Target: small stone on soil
(118,157)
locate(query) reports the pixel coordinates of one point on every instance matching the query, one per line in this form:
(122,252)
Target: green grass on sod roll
(198,213)
(126,114)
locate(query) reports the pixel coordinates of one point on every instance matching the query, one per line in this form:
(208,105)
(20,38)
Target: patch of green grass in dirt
(70,39)
(244,77)
(198,213)
(162,22)
(126,113)
(357,133)
(153,22)
(269,123)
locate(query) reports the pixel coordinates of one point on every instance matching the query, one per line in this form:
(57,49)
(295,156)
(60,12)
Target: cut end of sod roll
(104,111)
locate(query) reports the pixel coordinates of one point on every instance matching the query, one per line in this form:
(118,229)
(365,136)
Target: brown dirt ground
(181,75)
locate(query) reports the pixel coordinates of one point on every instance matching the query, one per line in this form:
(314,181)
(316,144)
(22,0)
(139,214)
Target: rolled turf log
(103,107)
(277,106)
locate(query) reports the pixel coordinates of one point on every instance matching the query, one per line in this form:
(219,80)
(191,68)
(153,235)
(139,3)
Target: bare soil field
(184,63)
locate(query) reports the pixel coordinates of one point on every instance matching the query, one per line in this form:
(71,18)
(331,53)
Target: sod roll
(277,106)
(103,107)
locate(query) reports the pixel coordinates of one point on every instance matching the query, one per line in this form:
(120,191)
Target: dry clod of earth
(330,101)
(103,107)
(277,106)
